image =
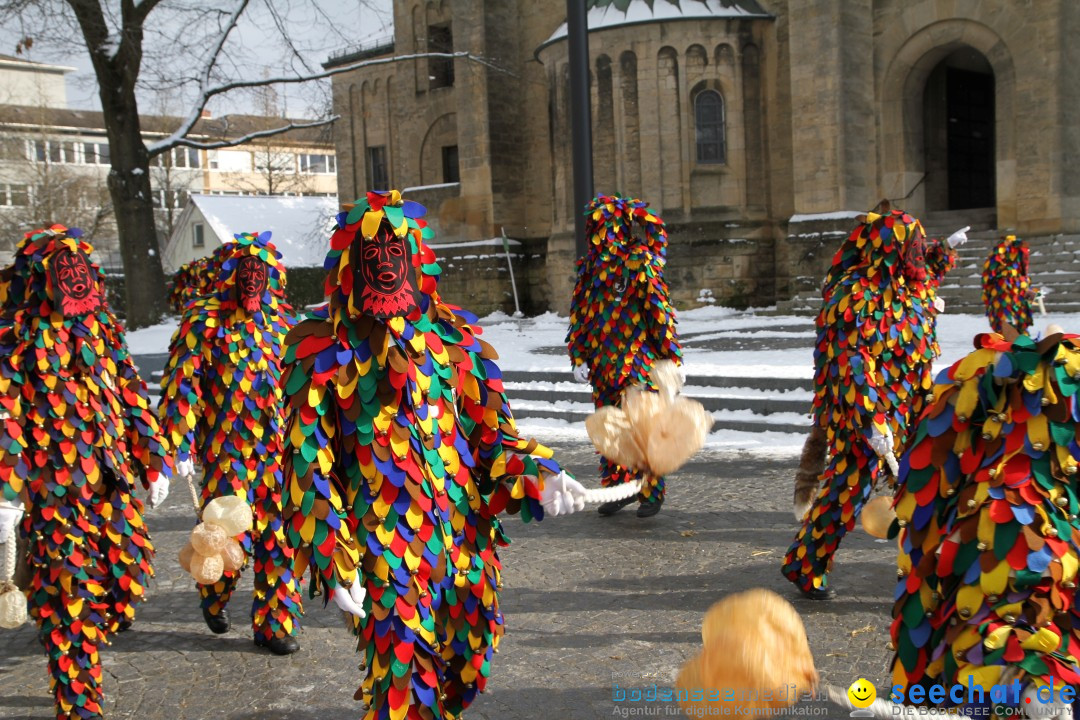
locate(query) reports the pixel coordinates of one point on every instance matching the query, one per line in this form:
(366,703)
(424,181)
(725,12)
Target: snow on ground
(152,340)
(534,344)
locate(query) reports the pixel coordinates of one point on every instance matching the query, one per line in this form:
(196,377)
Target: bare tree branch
(204,82)
(232,142)
(177,137)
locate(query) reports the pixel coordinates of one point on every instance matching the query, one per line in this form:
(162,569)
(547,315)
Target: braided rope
(615,492)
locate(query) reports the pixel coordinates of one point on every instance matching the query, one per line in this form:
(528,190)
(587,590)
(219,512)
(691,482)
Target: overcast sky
(318,28)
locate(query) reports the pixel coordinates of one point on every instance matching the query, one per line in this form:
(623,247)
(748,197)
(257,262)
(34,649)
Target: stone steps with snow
(1054,264)
(748,404)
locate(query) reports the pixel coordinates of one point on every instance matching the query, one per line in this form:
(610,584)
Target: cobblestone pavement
(589,602)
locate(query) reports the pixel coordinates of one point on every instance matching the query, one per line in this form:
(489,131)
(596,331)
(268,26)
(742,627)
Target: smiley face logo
(861,693)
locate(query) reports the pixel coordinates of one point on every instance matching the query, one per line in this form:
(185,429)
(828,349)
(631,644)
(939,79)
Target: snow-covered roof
(300,226)
(604,15)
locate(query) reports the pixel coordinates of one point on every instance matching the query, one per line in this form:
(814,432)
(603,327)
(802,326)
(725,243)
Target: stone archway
(906,117)
(958,132)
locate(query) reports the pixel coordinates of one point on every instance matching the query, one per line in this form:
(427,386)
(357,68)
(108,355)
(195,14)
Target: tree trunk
(134,209)
(129,178)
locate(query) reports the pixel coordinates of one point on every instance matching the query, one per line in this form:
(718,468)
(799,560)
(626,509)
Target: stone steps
(1054,265)
(747,404)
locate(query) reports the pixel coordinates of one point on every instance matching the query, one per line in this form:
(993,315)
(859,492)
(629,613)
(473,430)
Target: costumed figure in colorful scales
(77,435)
(621,320)
(192,280)
(401,451)
(222,404)
(986,513)
(871,371)
(1006,287)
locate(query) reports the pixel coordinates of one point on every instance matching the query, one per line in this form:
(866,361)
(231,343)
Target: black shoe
(218,624)
(124,625)
(279,646)
(610,508)
(650,508)
(821,593)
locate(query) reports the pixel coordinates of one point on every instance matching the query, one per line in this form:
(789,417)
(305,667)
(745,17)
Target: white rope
(615,492)
(8,560)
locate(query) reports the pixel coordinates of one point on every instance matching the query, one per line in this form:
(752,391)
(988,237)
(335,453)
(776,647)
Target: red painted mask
(915,257)
(383,276)
(75,289)
(250,283)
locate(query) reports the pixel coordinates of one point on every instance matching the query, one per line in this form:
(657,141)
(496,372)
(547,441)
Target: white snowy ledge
(639,12)
(813,217)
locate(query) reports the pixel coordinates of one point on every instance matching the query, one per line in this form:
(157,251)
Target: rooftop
(606,14)
(207,129)
(300,226)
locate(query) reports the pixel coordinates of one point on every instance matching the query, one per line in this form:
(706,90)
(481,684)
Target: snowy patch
(428,187)
(154,339)
(812,217)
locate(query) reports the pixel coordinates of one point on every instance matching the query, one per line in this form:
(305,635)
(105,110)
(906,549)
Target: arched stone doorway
(907,155)
(959,129)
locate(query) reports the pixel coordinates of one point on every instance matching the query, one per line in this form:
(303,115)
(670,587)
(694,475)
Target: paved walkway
(589,601)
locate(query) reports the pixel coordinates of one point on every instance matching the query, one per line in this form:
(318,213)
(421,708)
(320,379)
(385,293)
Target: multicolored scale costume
(1006,287)
(621,318)
(872,369)
(222,403)
(940,259)
(987,518)
(192,280)
(401,451)
(77,436)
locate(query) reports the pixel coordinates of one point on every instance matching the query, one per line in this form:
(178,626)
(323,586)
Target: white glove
(185,468)
(10,515)
(159,490)
(562,495)
(351,599)
(581,373)
(959,237)
(939,304)
(883,446)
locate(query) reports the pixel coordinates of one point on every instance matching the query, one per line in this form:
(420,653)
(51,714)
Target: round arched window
(709,126)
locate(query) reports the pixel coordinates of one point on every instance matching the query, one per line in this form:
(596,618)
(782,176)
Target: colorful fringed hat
(364,218)
(225,262)
(609,225)
(30,283)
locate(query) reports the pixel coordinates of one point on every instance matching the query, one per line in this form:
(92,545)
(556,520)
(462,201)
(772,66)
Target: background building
(54,162)
(301,227)
(757,128)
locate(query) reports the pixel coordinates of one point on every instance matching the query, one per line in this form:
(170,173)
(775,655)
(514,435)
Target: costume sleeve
(576,342)
(316,502)
(146,443)
(514,467)
(182,401)
(13,468)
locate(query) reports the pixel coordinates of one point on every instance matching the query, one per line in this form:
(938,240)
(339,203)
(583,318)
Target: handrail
(913,189)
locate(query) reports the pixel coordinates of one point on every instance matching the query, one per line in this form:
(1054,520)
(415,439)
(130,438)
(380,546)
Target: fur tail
(811,464)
